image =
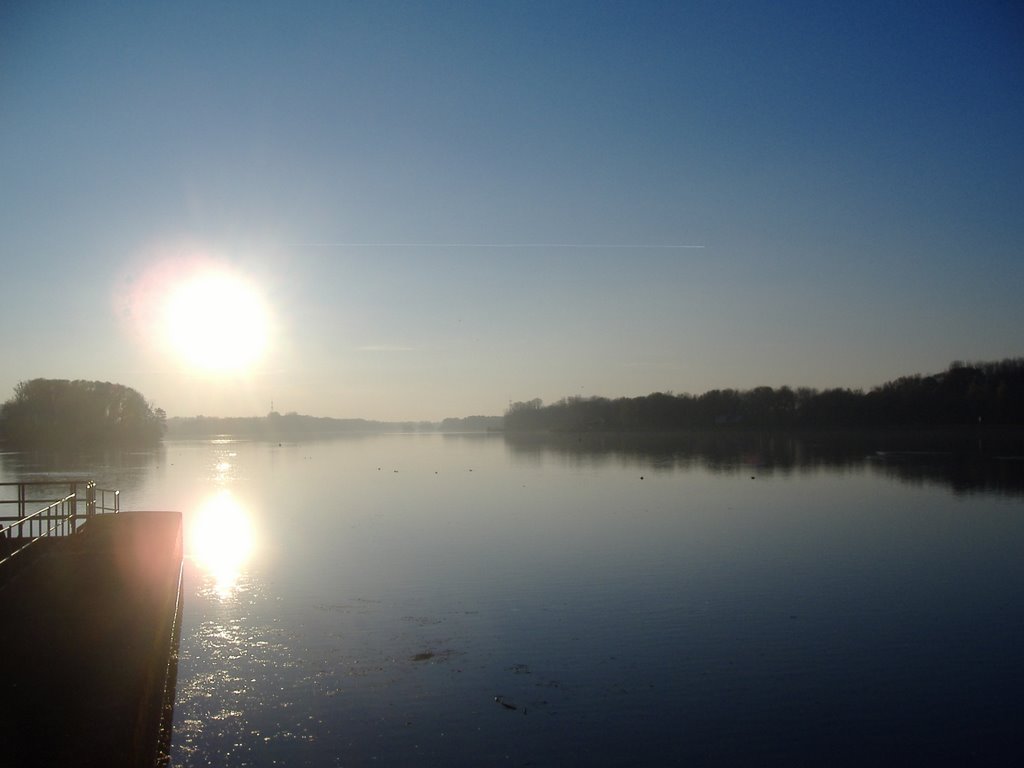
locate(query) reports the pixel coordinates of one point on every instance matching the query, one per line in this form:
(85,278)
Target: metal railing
(80,500)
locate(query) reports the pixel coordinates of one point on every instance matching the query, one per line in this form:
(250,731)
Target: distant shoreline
(923,432)
(253,428)
(275,426)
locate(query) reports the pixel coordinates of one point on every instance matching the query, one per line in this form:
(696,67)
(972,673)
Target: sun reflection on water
(222,540)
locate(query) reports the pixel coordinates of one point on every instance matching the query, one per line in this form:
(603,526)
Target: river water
(483,600)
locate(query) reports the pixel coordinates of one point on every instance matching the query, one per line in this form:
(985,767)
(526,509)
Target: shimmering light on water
(220,540)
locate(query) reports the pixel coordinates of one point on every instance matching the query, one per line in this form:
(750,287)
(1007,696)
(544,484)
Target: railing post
(90,500)
(74,506)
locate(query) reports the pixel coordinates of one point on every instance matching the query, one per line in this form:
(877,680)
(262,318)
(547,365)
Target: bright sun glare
(216,322)
(221,540)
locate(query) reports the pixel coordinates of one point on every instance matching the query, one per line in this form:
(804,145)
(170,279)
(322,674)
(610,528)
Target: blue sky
(854,175)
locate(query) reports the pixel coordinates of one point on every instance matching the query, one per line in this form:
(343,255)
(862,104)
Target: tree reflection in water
(965,461)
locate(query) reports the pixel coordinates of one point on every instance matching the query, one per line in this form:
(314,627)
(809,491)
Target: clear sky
(364,209)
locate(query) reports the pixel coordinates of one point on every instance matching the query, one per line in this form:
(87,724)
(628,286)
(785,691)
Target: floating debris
(435,657)
(505,704)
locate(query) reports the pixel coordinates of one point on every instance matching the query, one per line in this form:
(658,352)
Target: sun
(216,322)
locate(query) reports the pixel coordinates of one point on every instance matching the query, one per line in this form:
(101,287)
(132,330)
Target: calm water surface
(467,600)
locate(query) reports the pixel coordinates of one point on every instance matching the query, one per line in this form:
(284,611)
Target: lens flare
(187,304)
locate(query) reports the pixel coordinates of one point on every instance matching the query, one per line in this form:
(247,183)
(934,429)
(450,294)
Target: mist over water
(469,600)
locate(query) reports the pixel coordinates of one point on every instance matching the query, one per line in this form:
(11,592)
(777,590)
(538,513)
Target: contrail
(578,246)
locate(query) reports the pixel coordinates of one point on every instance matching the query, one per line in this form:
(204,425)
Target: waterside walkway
(89,627)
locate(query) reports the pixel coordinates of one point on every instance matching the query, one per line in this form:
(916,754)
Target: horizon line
(578,246)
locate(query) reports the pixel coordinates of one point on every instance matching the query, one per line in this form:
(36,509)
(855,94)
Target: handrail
(65,523)
(23,487)
(35,522)
(102,506)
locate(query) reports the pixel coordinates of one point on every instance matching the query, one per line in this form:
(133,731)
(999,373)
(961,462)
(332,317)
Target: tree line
(296,426)
(964,394)
(52,414)
(277,426)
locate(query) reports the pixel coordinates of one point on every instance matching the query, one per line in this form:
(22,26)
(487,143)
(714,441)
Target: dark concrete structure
(89,628)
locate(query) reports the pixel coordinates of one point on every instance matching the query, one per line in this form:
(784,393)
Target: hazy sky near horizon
(420,210)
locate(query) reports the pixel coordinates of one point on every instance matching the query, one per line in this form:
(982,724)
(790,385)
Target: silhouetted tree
(989,393)
(57,413)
